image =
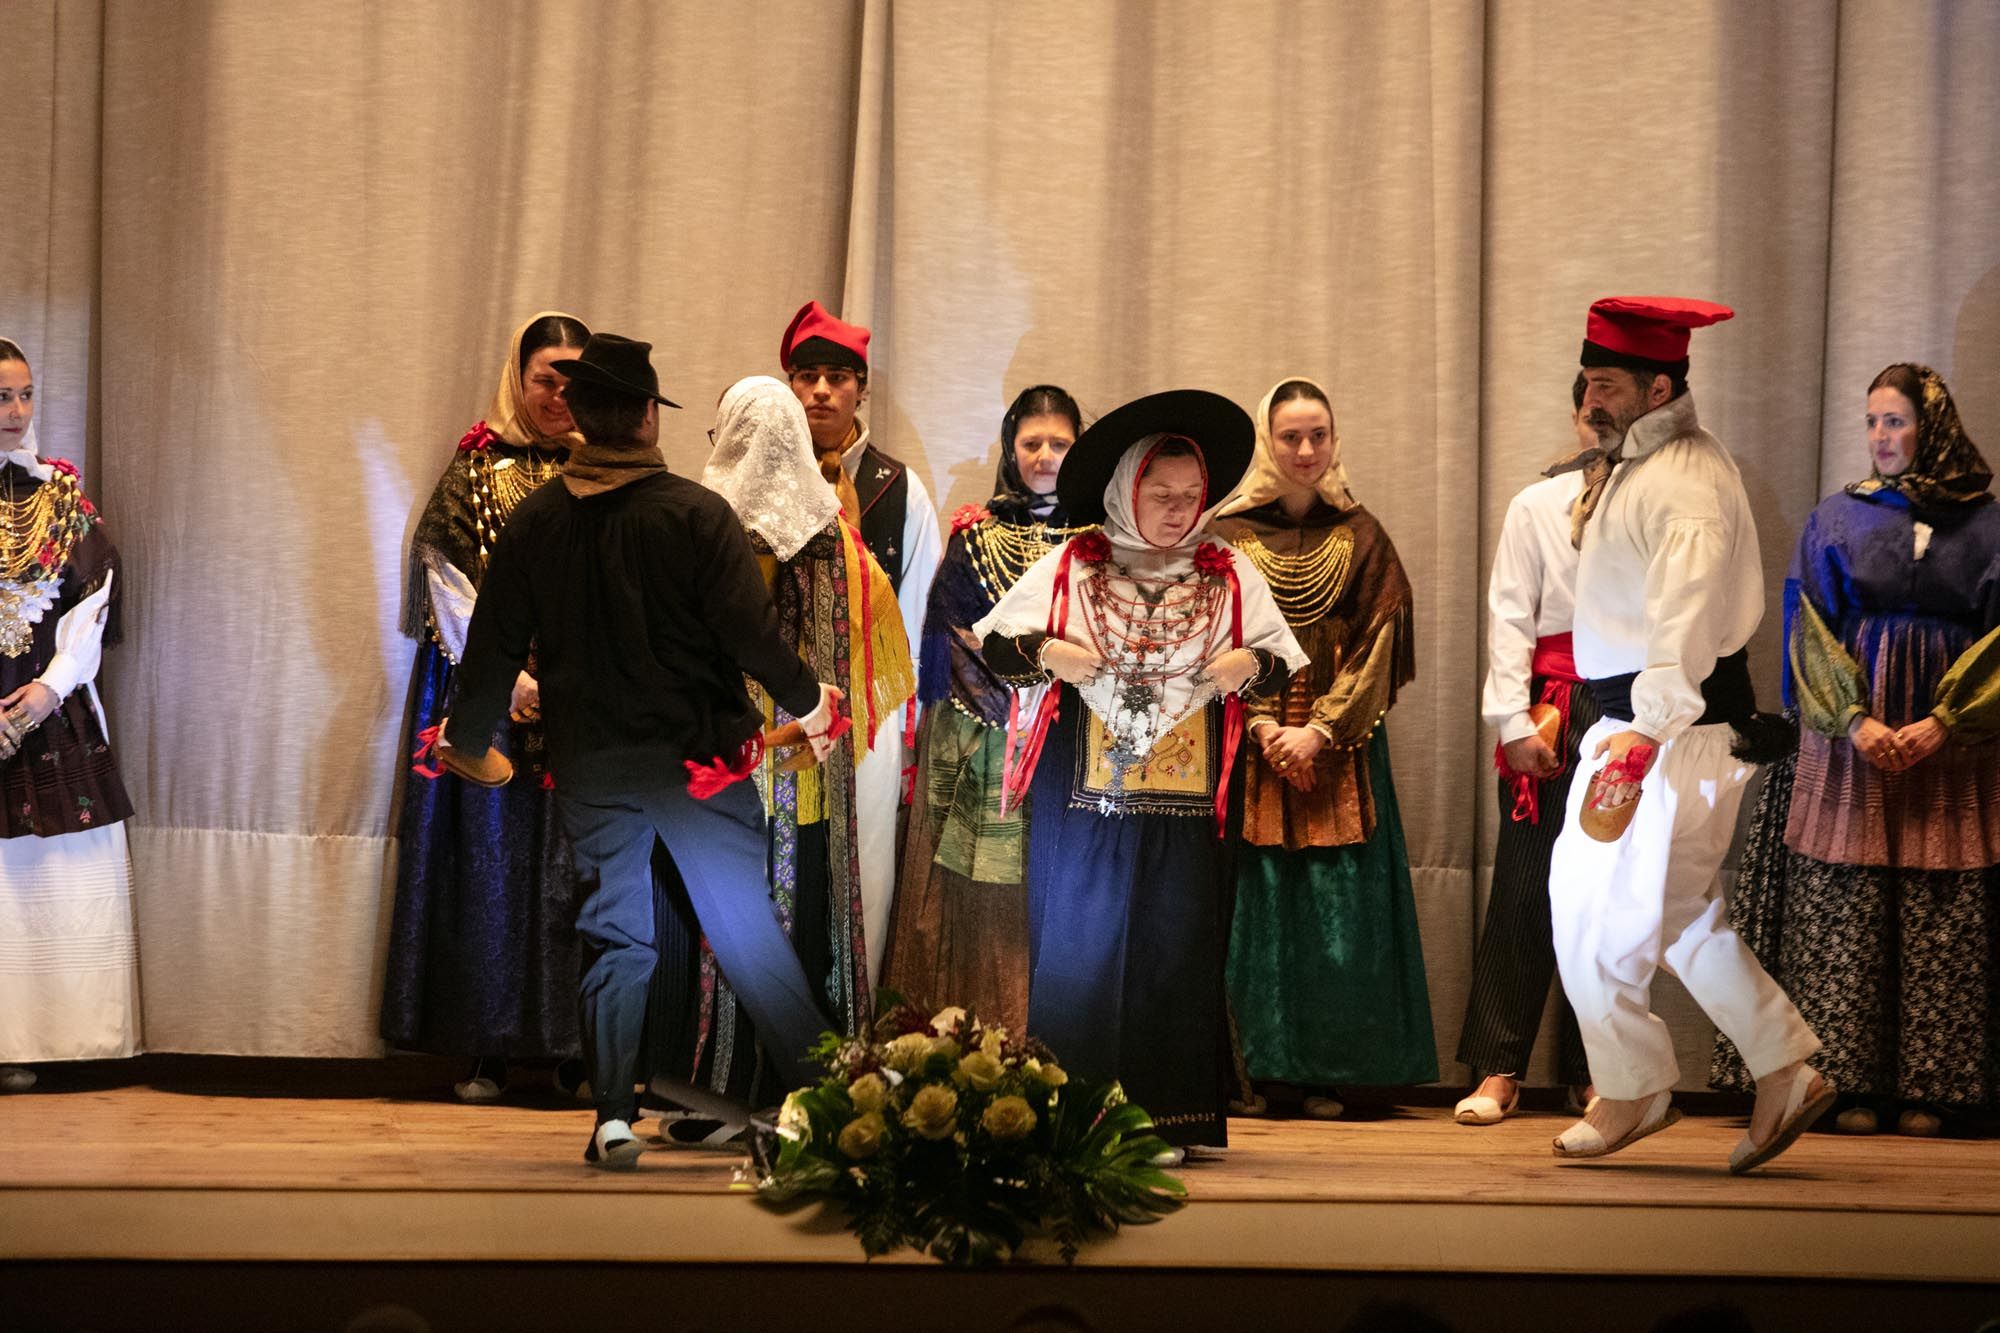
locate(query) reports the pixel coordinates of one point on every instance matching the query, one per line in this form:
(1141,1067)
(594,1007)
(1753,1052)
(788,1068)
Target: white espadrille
(1582,1140)
(1807,1097)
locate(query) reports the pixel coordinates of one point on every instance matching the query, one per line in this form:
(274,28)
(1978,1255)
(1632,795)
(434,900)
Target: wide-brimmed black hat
(616,363)
(1220,427)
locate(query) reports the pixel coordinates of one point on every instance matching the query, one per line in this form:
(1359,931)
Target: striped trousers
(1516,958)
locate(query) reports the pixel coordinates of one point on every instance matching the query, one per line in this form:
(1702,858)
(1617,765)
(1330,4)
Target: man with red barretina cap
(826,360)
(1669,590)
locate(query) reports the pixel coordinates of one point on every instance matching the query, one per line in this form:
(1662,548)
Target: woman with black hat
(960,929)
(1155,631)
(1326,968)
(482,957)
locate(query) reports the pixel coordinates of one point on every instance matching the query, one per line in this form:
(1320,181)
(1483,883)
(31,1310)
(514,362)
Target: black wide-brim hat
(1221,428)
(612,362)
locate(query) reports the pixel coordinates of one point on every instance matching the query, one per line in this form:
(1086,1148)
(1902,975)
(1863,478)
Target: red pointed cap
(1650,328)
(832,341)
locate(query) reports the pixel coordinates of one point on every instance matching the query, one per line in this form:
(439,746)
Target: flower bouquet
(961,1140)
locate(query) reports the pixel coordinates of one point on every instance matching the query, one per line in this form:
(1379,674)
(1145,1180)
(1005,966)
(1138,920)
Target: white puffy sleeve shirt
(1531,595)
(1669,578)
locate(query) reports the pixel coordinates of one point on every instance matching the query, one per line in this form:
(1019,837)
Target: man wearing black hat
(643,600)
(1669,589)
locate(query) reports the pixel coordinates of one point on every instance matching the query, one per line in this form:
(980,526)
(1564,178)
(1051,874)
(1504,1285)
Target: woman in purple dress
(1868,887)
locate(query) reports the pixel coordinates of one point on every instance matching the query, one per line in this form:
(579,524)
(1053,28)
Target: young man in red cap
(826,360)
(1669,590)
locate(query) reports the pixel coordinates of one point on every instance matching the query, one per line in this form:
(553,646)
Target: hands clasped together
(1894,749)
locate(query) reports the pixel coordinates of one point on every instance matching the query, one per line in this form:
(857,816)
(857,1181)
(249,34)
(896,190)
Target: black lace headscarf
(1012,501)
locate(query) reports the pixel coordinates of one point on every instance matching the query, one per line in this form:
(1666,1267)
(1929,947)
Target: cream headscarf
(765,466)
(509,417)
(1264,482)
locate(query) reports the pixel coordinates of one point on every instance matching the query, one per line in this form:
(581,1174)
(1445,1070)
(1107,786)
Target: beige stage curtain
(312,226)
(48,246)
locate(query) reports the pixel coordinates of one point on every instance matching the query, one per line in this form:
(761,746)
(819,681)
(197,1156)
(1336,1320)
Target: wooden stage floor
(219,1168)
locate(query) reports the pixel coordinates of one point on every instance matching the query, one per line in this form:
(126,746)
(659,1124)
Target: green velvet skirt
(1326,969)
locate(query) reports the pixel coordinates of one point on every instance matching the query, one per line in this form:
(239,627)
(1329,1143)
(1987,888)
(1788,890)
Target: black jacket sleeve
(736,605)
(1014,657)
(496,646)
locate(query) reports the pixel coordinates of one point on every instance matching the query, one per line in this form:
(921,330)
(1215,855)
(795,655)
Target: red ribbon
(427,744)
(1555,664)
(1018,770)
(1232,709)
(705,780)
(1632,768)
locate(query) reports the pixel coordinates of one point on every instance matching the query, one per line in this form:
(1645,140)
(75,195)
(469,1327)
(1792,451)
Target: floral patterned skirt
(64,779)
(1895,970)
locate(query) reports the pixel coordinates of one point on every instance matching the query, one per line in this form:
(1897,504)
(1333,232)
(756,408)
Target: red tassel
(1555,693)
(427,744)
(1018,771)
(705,780)
(1632,768)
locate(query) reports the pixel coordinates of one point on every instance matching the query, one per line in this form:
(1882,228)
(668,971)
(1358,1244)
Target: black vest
(883,487)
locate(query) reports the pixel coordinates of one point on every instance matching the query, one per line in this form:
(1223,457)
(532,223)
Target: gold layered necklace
(1002,552)
(1305,585)
(24,528)
(37,534)
(499,485)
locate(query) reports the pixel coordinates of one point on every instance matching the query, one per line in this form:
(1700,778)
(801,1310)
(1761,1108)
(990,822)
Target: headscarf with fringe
(1948,468)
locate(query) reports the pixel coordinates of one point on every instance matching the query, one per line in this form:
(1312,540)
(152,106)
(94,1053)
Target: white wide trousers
(1622,910)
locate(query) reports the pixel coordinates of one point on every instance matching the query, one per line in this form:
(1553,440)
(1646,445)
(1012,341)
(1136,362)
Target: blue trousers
(719,847)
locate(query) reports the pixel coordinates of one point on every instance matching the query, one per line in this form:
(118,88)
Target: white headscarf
(1183,688)
(1264,482)
(27,455)
(765,466)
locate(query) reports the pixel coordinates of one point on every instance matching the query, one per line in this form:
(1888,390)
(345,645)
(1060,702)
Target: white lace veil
(764,465)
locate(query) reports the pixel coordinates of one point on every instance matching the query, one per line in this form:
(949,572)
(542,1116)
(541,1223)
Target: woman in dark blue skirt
(482,948)
(1152,632)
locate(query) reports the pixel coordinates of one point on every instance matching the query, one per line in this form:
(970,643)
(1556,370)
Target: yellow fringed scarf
(878,646)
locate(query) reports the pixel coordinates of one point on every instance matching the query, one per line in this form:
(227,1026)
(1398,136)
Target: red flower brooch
(1093,548)
(969,516)
(481,436)
(1212,559)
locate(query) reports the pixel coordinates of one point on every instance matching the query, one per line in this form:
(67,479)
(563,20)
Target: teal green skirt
(1326,969)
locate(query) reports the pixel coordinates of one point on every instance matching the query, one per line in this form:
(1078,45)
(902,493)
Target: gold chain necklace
(1305,586)
(24,528)
(497,490)
(1002,552)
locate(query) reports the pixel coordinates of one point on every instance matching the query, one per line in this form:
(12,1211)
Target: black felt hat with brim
(624,365)
(1221,429)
